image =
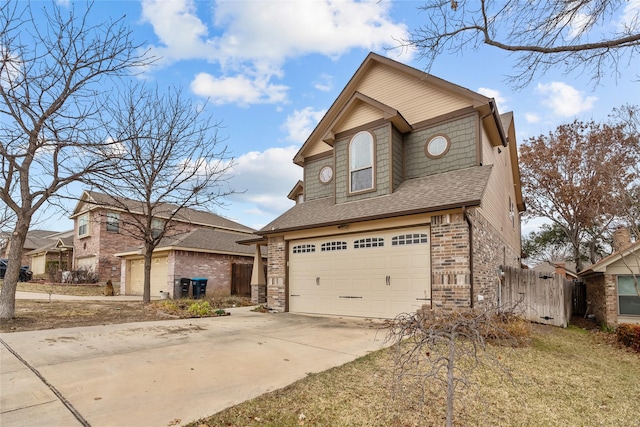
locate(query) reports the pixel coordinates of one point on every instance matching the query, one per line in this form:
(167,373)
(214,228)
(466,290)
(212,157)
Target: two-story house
(411,198)
(199,244)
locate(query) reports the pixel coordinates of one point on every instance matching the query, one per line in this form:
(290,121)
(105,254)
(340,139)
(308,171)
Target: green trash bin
(199,287)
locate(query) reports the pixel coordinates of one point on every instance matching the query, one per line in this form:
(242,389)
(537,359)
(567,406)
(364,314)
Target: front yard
(565,377)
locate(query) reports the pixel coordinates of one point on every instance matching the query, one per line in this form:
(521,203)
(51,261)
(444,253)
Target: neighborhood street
(167,372)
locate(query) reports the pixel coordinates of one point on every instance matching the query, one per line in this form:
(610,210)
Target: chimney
(561,269)
(621,238)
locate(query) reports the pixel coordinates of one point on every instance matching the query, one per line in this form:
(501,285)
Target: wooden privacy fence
(542,297)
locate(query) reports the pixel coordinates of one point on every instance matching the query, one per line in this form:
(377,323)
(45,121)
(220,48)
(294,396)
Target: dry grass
(60,288)
(564,377)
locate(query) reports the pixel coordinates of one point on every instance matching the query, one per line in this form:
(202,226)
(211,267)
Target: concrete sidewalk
(154,373)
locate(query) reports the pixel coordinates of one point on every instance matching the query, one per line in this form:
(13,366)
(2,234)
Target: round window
(326,174)
(437,146)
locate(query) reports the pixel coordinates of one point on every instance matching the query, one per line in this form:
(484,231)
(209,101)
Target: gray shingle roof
(464,187)
(209,239)
(191,216)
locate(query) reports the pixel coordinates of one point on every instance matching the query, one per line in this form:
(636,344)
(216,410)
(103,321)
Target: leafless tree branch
(569,35)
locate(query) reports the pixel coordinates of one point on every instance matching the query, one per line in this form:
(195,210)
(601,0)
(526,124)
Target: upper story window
(361,162)
(113,222)
(437,146)
(83,225)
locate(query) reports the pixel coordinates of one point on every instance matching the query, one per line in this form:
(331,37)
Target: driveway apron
(168,372)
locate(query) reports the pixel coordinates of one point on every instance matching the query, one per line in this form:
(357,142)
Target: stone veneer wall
(602,298)
(276,273)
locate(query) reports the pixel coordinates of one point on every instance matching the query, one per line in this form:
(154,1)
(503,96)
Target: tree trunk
(9,286)
(146,294)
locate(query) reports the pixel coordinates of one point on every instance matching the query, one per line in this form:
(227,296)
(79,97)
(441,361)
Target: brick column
(450,262)
(276,273)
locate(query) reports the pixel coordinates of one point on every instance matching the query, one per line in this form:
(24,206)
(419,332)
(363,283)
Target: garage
(379,274)
(135,272)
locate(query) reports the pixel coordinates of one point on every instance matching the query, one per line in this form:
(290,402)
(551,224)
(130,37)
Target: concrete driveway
(169,372)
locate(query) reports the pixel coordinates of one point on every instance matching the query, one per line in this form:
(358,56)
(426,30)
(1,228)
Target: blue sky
(270,70)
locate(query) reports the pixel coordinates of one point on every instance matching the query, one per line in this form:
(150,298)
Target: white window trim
(84,217)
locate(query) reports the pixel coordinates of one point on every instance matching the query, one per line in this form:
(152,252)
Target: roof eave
(467,204)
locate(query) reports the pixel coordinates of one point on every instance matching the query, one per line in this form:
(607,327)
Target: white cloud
(241,89)
(495,94)
(324,83)
(579,24)
(266,178)
(181,34)
(250,41)
(532,117)
(563,99)
(630,17)
(301,123)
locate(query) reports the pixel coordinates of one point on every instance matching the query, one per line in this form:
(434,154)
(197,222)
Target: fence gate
(544,297)
(241,280)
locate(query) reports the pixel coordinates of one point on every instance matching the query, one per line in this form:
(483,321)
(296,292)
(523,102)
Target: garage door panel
(353,281)
(159,269)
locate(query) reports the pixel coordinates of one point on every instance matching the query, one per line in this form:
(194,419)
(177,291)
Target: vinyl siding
(495,203)
(414,98)
(360,115)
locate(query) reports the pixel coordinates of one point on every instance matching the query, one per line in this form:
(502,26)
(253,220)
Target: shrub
(629,335)
(200,308)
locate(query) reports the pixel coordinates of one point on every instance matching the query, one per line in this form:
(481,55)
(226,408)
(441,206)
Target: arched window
(361,162)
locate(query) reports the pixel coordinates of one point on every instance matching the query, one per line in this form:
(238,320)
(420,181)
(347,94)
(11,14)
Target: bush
(200,308)
(629,335)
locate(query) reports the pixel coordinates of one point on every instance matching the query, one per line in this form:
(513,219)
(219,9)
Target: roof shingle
(464,187)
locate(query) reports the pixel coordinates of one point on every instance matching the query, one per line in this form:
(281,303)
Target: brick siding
(602,300)
(276,273)
(216,268)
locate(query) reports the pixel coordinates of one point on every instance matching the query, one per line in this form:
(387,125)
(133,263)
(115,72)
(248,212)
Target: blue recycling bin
(198,287)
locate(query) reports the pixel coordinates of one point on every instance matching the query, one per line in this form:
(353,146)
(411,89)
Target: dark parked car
(25,273)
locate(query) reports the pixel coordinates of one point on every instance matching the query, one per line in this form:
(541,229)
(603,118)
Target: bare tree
(575,176)
(441,351)
(578,35)
(54,71)
(165,155)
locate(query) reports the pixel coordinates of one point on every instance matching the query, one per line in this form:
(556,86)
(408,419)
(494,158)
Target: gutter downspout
(468,220)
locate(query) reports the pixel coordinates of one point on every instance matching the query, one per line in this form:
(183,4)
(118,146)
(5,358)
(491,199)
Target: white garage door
(366,275)
(135,285)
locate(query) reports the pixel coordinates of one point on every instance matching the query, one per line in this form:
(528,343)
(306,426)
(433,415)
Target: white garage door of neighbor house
(366,275)
(158,276)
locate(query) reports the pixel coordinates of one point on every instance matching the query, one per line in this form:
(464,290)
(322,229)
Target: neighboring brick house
(200,244)
(611,283)
(411,199)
